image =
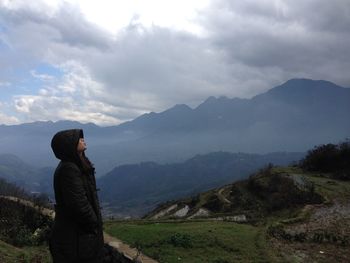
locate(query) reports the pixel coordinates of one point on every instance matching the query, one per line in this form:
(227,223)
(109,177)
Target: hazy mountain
(294,116)
(136,189)
(33,179)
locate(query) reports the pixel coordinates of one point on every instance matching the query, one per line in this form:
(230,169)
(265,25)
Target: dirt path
(222,196)
(126,250)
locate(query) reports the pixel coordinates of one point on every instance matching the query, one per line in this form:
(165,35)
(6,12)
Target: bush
(23,237)
(22,225)
(329,158)
(181,240)
(214,204)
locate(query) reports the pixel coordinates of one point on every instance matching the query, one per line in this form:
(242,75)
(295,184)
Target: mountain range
(292,117)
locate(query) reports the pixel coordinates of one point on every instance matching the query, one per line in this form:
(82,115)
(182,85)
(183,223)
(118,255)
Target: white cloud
(5,118)
(42,77)
(74,97)
(116,15)
(42,107)
(8,120)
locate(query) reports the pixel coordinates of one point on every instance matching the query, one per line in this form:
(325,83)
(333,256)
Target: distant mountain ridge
(138,188)
(293,117)
(32,178)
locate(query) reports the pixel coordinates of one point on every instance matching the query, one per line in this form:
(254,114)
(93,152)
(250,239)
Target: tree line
(329,158)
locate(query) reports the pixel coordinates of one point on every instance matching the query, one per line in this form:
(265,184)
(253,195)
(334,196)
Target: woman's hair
(86,165)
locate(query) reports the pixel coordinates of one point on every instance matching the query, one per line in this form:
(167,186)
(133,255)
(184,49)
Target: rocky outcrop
(202,212)
(326,224)
(164,212)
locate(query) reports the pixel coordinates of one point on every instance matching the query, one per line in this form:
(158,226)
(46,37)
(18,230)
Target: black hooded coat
(77,234)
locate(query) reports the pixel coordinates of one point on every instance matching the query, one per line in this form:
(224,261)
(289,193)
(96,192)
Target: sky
(108,62)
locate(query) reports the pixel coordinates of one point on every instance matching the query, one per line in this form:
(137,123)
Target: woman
(77,234)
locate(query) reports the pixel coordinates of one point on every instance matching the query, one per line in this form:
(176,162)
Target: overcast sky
(107,62)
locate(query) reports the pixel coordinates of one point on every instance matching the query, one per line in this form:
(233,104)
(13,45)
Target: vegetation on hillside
(27,254)
(22,224)
(329,158)
(268,190)
(11,189)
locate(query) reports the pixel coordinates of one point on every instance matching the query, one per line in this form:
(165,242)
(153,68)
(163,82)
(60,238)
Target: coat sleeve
(75,198)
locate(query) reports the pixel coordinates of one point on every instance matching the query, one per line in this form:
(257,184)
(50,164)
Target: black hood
(64,144)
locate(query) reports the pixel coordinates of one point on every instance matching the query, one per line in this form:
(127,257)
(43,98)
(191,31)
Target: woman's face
(81,145)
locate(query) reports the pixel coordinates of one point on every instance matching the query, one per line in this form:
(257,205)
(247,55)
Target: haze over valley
(278,127)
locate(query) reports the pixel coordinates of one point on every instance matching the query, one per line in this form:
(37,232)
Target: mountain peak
(181,107)
(301,88)
(178,108)
(213,99)
(308,83)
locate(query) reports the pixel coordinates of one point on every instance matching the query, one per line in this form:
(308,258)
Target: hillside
(291,117)
(12,254)
(33,179)
(272,188)
(269,190)
(280,214)
(297,213)
(25,224)
(132,190)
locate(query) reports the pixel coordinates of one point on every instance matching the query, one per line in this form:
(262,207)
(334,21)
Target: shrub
(214,204)
(181,240)
(329,158)
(23,237)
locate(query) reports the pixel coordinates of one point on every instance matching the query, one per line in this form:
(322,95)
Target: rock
(237,218)
(182,212)
(164,212)
(200,213)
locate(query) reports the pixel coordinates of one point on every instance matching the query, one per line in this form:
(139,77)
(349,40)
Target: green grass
(330,188)
(324,185)
(11,254)
(195,241)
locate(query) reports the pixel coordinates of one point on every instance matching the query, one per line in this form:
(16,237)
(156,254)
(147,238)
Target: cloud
(248,47)
(300,38)
(8,120)
(5,118)
(44,108)
(71,98)
(142,70)
(42,77)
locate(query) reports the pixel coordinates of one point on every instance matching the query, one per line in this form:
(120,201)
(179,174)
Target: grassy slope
(215,241)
